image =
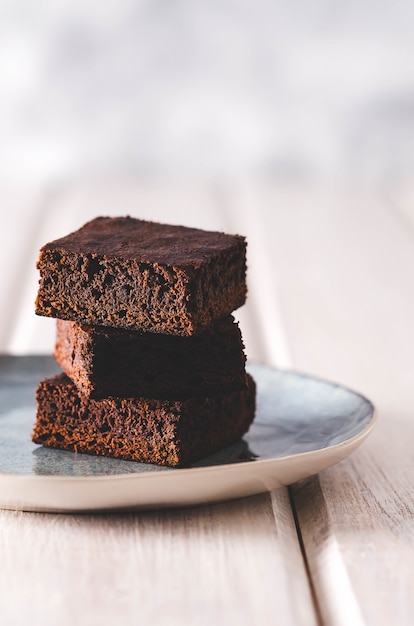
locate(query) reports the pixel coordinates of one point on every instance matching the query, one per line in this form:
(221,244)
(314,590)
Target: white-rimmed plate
(302,426)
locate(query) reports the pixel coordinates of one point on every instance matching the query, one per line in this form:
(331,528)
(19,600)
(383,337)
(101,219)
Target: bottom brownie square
(165,432)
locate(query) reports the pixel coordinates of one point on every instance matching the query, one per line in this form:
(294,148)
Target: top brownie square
(129,273)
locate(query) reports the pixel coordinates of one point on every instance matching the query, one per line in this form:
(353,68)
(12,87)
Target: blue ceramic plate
(302,426)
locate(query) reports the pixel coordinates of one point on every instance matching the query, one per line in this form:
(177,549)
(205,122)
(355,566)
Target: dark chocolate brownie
(104,361)
(165,432)
(129,273)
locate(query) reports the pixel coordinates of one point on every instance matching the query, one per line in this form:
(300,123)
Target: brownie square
(104,361)
(129,273)
(165,432)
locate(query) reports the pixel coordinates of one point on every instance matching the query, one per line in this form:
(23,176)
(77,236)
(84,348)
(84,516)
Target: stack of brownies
(152,358)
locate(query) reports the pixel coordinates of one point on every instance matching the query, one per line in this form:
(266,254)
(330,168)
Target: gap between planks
(348,309)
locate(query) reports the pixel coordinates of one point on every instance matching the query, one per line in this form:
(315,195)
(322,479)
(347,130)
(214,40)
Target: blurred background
(177,89)
(267,118)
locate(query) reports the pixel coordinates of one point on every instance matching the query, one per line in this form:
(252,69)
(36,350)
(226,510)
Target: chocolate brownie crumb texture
(165,432)
(134,274)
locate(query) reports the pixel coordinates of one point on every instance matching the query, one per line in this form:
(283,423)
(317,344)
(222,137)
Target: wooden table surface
(331,274)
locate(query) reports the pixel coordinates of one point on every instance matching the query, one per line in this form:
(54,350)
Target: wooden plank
(260,319)
(357,526)
(233,563)
(343,273)
(21,210)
